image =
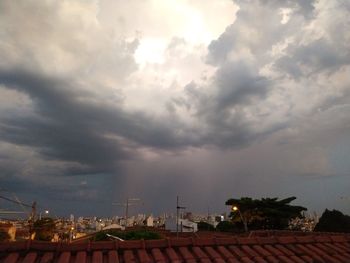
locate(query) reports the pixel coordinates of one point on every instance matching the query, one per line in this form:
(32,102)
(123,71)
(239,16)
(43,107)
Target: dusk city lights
(205,130)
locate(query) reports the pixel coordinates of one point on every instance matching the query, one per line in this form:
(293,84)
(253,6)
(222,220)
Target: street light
(234,209)
(46,212)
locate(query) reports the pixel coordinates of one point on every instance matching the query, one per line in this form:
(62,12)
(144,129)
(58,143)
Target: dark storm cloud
(93,135)
(237,84)
(319,55)
(60,129)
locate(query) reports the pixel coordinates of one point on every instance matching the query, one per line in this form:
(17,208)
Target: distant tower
(72,218)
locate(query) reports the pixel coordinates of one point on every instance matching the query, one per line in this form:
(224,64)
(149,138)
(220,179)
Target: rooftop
(327,248)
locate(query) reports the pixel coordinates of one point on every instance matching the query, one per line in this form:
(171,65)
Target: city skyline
(101,101)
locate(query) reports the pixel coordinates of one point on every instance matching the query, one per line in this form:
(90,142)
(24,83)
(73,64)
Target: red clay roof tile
(204,242)
(296,259)
(47,257)
(340,239)
(307,259)
(186,254)
(237,251)
(173,256)
(272,259)
(246,260)
(64,257)
(30,257)
(250,252)
(181,242)
(132,244)
(129,257)
(305,239)
(284,250)
(266,240)
(199,253)
(284,259)
(309,248)
(11,258)
(259,260)
(156,243)
(158,255)
(247,241)
(43,246)
(80,257)
(227,255)
(310,253)
(294,249)
(286,239)
(342,258)
(112,257)
(262,251)
(97,257)
(226,241)
(101,245)
(322,239)
(274,251)
(143,256)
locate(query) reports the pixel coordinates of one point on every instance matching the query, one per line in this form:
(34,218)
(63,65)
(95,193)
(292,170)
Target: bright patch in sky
(150,50)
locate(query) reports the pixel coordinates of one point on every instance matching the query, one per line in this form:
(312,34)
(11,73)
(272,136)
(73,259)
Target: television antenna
(129,202)
(178,208)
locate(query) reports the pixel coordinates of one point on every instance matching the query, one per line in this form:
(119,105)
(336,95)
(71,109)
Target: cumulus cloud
(124,92)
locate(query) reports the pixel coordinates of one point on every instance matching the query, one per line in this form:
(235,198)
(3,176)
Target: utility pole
(178,207)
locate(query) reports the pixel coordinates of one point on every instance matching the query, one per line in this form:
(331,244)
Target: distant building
(149,221)
(184,225)
(10,229)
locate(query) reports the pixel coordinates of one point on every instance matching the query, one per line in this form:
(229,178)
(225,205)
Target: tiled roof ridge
(169,242)
(255,233)
(269,249)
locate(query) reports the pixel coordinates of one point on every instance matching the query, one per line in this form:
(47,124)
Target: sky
(104,100)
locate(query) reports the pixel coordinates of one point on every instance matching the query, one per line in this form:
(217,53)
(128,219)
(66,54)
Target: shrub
(130,235)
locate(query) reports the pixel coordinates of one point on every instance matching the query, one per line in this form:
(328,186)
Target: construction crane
(32,214)
(16,201)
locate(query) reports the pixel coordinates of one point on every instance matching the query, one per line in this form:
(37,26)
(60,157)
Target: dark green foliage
(44,229)
(130,235)
(204,226)
(4,236)
(267,213)
(333,221)
(226,226)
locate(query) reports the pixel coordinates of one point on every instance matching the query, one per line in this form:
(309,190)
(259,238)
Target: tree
(267,213)
(130,235)
(44,229)
(226,226)
(204,226)
(333,221)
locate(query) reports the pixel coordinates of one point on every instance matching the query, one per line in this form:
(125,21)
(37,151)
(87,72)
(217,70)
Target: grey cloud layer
(93,135)
(269,77)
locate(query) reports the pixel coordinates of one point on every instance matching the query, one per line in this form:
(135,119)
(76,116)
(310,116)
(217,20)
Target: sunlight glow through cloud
(136,97)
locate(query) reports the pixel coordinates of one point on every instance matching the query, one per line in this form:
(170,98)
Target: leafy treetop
(265,213)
